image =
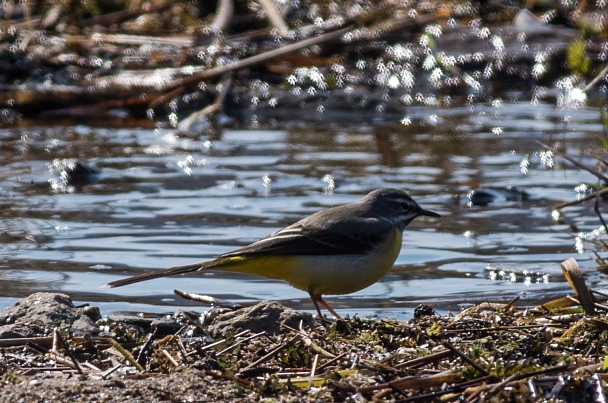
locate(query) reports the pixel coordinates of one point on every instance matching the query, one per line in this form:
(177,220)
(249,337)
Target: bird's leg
(317,299)
(313,297)
(329,308)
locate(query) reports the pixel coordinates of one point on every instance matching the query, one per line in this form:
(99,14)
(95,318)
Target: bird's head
(395,206)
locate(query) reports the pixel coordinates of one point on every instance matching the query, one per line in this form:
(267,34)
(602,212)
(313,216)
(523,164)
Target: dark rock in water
(493,194)
(266,316)
(80,174)
(70,173)
(40,313)
(423,310)
(92,312)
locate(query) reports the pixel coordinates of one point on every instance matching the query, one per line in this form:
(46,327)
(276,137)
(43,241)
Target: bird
(335,251)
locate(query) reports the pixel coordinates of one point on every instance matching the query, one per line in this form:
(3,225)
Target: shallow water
(164,200)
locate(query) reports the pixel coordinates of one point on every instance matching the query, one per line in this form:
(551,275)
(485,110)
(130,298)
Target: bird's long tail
(157,274)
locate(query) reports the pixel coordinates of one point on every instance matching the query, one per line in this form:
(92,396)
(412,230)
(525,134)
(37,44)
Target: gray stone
(40,313)
(265,316)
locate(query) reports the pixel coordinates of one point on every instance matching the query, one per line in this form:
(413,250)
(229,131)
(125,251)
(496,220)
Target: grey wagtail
(339,250)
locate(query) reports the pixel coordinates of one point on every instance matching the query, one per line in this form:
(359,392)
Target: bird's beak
(428,213)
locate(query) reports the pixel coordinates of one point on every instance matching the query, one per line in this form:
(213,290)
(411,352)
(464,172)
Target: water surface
(164,200)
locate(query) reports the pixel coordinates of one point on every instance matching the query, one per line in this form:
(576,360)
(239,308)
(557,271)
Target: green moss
(9,376)
(576,59)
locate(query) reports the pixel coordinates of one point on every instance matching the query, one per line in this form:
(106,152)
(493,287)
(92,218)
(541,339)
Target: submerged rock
(493,194)
(80,174)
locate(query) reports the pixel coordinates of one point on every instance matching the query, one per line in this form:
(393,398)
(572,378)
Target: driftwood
(274,16)
(189,125)
(188,83)
(223,16)
(574,275)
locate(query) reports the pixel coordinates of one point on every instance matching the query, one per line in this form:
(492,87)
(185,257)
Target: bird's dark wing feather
(328,239)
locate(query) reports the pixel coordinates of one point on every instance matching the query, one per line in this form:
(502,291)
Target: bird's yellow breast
(321,274)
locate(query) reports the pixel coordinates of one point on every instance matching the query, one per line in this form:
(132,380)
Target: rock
(423,310)
(70,173)
(92,312)
(525,19)
(78,174)
(40,313)
(265,316)
(493,194)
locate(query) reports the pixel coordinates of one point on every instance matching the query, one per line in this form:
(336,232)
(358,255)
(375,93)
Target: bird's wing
(306,238)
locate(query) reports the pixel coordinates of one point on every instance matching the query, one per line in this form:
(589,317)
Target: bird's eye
(404,206)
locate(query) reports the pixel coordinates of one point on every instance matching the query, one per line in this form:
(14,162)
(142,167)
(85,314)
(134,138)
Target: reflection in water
(163,200)
(387,148)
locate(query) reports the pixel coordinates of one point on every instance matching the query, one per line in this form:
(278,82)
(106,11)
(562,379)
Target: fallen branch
(66,348)
(223,16)
(222,303)
(186,125)
(593,195)
(193,80)
(576,163)
(418,362)
(415,382)
(465,357)
(596,209)
(272,353)
(126,354)
(274,16)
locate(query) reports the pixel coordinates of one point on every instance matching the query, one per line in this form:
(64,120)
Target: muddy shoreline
(51,350)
